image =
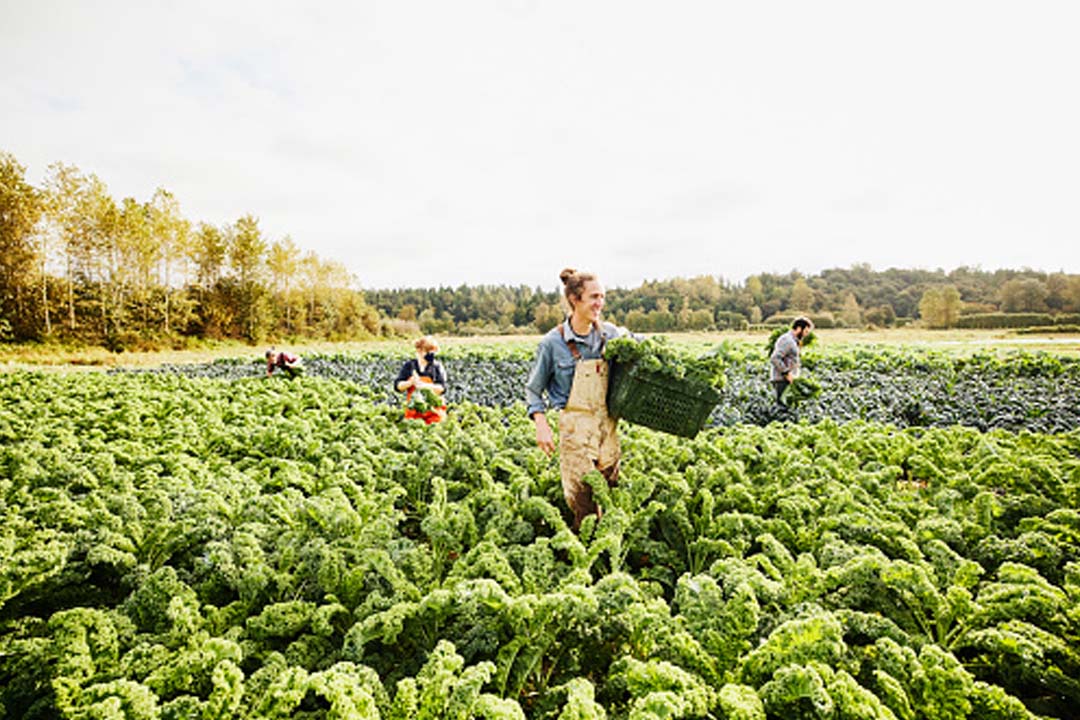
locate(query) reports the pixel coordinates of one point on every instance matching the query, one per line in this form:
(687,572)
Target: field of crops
(202,542)
(1015,391)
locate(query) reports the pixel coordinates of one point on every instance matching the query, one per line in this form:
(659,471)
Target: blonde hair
(426,344)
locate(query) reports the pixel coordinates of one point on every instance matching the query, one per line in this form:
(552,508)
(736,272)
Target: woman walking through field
(570,370)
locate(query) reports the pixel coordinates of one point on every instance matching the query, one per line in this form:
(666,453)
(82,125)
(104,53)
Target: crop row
(181,547)
(907,389)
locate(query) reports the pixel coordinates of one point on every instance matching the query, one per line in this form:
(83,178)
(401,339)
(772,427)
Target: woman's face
(587,308)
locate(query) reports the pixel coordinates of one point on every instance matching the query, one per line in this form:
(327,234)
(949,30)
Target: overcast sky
(443,142)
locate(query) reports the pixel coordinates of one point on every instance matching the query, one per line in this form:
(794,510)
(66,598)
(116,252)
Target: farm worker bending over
(423,380)
(570,368)
(784,361)
(286,362)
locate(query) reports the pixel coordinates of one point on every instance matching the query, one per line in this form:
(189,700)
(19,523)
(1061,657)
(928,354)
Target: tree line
(853,297)
(77,265)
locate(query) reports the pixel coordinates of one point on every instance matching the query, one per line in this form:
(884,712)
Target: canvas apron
(587,435)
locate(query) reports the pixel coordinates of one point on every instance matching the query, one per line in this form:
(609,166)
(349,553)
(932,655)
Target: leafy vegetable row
(907,388)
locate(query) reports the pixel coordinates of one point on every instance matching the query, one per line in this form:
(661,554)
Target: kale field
(1018,391)
(204,542)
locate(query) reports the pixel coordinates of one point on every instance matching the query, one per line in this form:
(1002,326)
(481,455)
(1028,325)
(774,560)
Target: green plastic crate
(643,397)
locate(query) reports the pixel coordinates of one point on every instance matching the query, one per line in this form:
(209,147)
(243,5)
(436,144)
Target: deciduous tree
(851,314)
(20,209)
(171,232)
(1024,295)
(64,187)
(802,297)
(284,263)
(940,306)
(247,256)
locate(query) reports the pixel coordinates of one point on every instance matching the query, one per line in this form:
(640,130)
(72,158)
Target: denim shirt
(553,369)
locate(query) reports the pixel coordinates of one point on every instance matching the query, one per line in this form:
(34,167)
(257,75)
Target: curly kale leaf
(657,355)
(424,400)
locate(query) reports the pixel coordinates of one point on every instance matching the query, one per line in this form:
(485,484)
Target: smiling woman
(570,370)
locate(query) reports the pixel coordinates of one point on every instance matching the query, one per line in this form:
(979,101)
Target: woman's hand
(544,439)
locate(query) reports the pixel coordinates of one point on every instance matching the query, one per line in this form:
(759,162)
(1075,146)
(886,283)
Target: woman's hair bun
(566,274)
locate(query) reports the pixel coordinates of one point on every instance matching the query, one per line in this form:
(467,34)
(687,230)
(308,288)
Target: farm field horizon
(44,355)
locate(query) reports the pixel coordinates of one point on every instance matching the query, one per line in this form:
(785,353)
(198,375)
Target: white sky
(438,143)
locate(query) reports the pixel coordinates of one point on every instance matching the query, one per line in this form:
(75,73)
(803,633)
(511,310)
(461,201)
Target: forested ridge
(854,297)
(77,265)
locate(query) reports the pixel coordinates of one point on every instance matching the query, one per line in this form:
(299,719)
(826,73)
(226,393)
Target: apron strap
(573,345)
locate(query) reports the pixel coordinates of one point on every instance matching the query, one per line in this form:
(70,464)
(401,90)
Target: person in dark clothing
(426,375)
